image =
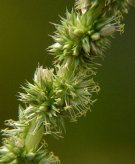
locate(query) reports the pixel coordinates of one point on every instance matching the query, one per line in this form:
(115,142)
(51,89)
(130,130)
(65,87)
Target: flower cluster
(115,6)
(15,149)
(76,92)
(14,152)
(81,35)
(42,104)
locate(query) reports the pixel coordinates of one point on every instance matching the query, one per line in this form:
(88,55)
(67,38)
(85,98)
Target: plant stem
(32,139)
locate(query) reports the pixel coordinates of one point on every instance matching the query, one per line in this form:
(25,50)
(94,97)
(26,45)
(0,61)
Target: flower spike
(66,92)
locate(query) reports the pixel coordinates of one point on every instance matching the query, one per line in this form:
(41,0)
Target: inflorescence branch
(68,90)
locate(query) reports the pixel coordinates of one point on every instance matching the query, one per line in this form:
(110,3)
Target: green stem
(32,139)
(68,66)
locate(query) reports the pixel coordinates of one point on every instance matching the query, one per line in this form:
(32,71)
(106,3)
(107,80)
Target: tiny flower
(86,45)
(43,74)
(95,36)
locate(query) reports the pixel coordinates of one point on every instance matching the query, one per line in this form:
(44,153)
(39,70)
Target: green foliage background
(105,136)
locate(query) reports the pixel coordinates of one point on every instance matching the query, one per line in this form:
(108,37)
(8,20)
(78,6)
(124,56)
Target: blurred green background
(105,136)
